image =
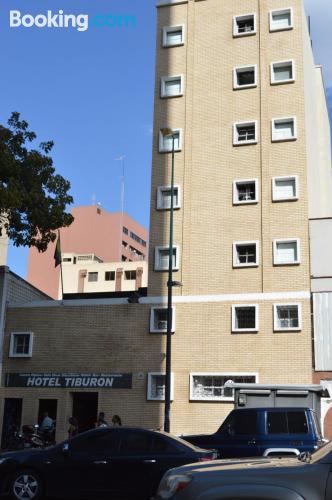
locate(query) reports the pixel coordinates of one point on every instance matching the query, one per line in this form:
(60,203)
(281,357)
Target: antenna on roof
(122,159)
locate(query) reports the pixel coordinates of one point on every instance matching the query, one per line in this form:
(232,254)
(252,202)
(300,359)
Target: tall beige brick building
(236,81)
(237,84)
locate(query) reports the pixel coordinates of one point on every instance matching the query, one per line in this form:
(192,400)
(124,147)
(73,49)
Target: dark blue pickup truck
(252,432)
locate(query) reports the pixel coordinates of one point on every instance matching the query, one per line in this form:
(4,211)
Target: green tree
(33,198)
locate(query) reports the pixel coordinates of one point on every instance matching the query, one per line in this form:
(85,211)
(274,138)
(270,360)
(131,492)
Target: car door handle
(100,462)
(253,441)
(149,461)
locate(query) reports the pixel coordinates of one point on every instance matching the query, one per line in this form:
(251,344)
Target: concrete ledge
(168,3)
(177,299)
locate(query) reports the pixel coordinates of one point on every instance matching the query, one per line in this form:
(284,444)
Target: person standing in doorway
(73,427)
(101,422)
(116,421)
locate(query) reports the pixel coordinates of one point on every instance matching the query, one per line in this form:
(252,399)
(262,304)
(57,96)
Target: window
(245,318)
(281,19)
(287,317)
(158,320)
(210,386)
(161,258)
(164,197)
(245,77)
(245,254)
(123,258)
(110,276)
(138,239)
(244,25)
(287,422)
(245,191)
(282,72)
(93,276)
(286,251)
(66,259)
(135,442)
(130,275)
(156,386)
(173,36)
(244,133)
(166,141)
(125,230)
(243,423)
(285,188)
(103,442)
(21,345)
(124,244)
(171,86)
(284,129)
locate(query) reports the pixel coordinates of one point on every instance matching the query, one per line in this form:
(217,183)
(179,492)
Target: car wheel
(25,485)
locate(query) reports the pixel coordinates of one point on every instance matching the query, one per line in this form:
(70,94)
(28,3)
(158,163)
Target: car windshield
(322,452)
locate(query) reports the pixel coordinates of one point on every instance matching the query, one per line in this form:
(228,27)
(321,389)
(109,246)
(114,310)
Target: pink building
(112,237)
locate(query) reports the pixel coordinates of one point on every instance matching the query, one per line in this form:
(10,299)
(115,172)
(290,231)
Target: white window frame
(216,374)
(245,330)
(280,120)
(160,190)
(245,33)
(169,29)
(12,354)
(275,253)
(236,200)
(176,149)
(244,243)
(152,322)
(236,142)
(275,197)
(149,386)
(243,68)
(177,258)
(287,62)
(165,79)
(277,328)
(281,11)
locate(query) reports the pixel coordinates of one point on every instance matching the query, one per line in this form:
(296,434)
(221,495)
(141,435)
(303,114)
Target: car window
(95,443)
(277,422)
(135,442)
(297,422)
(241,423)
(162,445)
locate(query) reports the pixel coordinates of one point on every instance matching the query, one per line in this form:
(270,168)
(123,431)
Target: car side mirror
(65,449)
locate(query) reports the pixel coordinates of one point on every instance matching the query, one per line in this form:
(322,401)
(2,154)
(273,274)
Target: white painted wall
(322,309)
(317,135)
(321,254)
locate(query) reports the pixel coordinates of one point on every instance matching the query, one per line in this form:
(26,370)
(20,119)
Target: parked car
(115,463)
(305,478)
(264,431)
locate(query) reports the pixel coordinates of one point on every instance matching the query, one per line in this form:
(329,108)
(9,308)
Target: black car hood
(21,454)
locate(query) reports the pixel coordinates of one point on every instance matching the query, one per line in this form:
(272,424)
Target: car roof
(156,432)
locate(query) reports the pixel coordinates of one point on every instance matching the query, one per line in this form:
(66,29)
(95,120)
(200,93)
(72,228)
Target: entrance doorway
(50,406)
(12,420)
(85,408)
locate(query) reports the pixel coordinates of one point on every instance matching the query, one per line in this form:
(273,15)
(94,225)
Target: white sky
(320,12)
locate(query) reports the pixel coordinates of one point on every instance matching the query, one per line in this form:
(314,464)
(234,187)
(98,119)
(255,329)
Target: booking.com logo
(81,22)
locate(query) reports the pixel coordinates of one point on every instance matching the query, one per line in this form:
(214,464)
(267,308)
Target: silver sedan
(307,478)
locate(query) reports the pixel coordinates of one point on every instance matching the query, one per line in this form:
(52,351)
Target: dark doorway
(47,405)
(85,408)
(12,420)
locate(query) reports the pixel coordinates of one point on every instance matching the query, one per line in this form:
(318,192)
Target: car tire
(25,484)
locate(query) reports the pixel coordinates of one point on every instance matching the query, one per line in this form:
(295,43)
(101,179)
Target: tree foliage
(33,198)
